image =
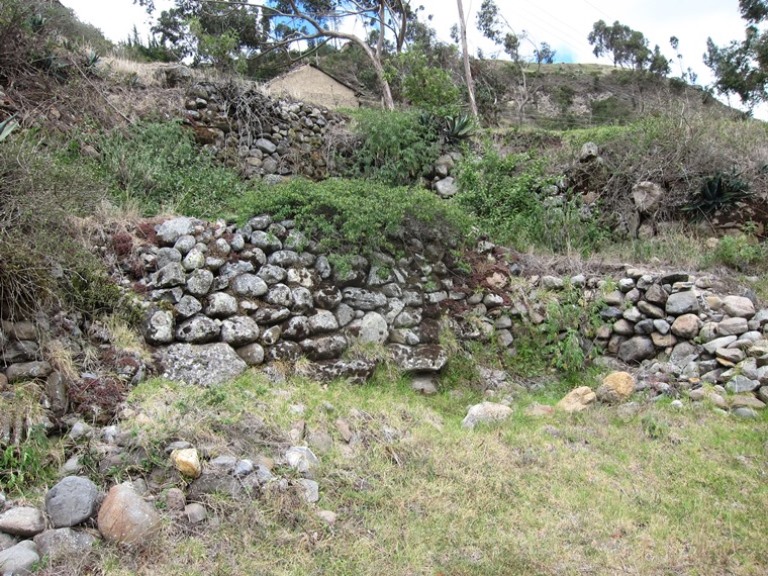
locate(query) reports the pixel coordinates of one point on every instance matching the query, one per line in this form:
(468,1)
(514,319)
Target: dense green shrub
(509,195)
(428,87)
(159,167)
(361,217)
(397,147)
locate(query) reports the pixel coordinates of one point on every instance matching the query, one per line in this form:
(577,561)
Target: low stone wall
(220,298)
(263,293)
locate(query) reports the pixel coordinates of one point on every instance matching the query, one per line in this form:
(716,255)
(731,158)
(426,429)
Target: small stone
(424,384)
(301,459)
(23,521)
(342,427)
(175,501)
(310,490)
(187,462)
(327,516)
(195,513)
(577,400)
(538,410)
(484,413)
(80,430)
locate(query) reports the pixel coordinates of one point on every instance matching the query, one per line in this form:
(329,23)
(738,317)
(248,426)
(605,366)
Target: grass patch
(158,167)
(663,491)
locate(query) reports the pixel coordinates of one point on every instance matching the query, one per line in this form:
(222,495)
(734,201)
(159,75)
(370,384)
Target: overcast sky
(564,24)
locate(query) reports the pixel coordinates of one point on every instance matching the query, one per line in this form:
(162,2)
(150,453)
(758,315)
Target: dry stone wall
(260,135)
(220,298)
(241,296)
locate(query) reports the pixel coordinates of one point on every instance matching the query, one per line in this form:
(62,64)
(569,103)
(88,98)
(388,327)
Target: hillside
(242,334)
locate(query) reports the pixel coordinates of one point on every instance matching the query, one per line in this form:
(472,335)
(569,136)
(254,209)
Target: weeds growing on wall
(42,261)
(510,196)
(359,216)
(565,340)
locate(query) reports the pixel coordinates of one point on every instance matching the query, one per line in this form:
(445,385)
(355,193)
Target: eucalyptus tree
(280,24)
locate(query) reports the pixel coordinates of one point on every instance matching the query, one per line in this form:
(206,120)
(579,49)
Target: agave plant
(37,22)
(91,59)
(458,128)
(721,191)
(6,127)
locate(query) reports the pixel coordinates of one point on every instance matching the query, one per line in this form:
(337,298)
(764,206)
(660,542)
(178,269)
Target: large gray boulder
(423,358)
(239,331)
(19,559)
(159,327)
(64,542)
(373,329)
(484,413)
(205,365)
(636,349)
(171,230)
(72,501)
(682,303)
(198,330)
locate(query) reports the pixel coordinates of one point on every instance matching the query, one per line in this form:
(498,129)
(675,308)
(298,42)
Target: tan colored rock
(577,400)
(126,518)
(686,326)
(738,306)
(616,387)
(747,401)
(187,462)
(344,430)
(663,340)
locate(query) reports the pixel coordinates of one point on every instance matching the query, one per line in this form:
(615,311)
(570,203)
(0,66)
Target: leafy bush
(428,87)
(159,167)
(740,253)
(359,217)
(508,194)
(397,147)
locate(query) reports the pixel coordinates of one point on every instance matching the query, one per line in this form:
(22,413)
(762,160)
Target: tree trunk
(467,68)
